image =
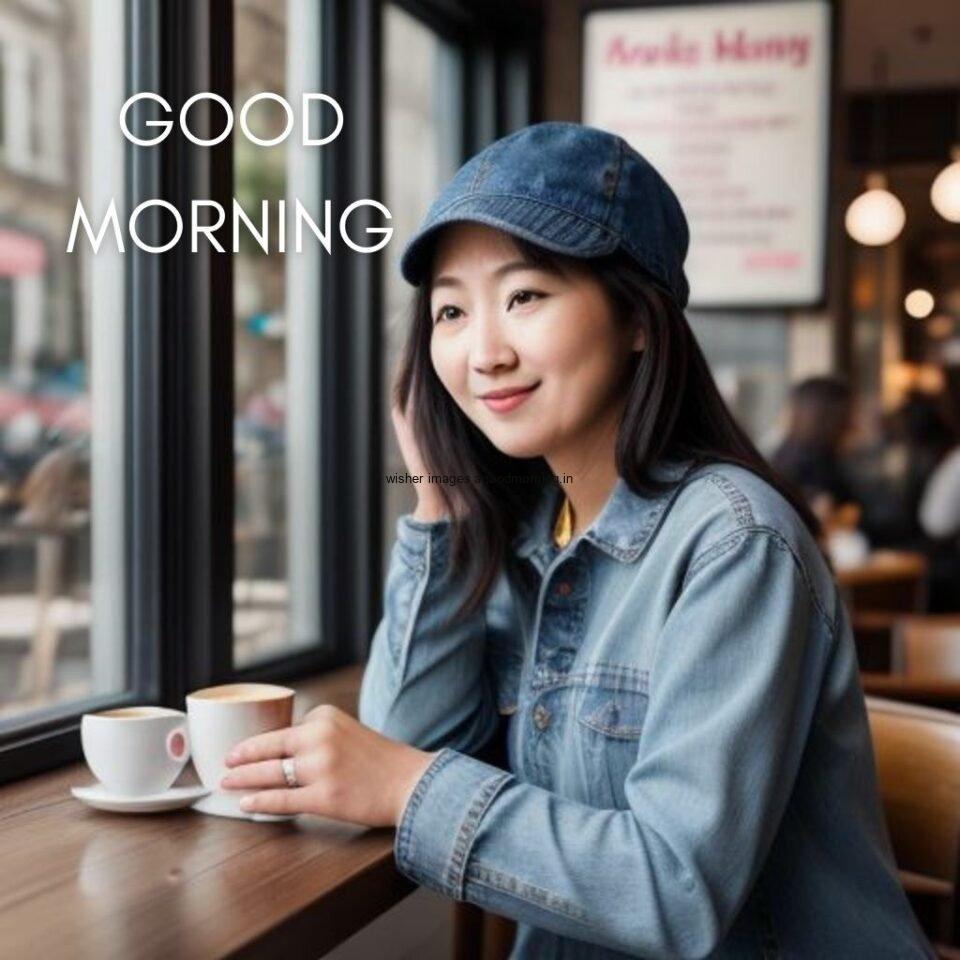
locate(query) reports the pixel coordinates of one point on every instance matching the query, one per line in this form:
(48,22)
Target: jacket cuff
(441,819)
(421,543)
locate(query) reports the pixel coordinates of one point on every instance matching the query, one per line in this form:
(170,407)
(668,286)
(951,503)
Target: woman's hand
(345,770)
(430,506)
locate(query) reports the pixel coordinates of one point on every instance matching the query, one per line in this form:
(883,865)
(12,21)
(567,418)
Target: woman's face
(502,324)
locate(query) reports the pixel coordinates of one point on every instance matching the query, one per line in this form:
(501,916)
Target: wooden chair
(924,662)
(918,762)
(479,935)
(926,646)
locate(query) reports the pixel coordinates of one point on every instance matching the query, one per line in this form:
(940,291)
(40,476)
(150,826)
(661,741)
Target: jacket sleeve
(733,688)
(425,682)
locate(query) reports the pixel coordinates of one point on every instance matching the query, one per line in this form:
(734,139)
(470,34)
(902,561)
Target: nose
(490,348)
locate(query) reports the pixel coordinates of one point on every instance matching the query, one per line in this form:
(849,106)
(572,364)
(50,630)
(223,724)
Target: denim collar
(622,528)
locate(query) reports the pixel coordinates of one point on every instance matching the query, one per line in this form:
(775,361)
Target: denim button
(541,717)
(564,589)
(560,659)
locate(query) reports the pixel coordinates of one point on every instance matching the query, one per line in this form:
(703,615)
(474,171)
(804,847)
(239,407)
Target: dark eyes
(444,313)
(524,296)
(520,298)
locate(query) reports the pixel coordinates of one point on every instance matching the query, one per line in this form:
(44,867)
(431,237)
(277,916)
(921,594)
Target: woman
(616,583)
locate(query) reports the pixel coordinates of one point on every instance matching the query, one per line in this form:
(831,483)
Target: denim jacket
(690,771)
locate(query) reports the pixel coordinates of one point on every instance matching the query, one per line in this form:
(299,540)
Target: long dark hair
(673,411)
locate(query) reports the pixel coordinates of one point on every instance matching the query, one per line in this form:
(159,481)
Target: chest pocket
(609,724)
(617,714)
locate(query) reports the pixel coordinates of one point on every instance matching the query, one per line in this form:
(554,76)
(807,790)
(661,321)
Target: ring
(289,771)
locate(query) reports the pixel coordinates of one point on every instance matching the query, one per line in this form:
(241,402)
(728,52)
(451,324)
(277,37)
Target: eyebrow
(512,267)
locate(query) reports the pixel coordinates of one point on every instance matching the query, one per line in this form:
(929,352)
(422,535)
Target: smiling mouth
(511,401)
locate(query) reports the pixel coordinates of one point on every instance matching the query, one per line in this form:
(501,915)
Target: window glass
(62,372)
(277,335)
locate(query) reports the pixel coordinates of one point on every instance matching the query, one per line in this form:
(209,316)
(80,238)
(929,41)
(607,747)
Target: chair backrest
(927,646)
(918,763)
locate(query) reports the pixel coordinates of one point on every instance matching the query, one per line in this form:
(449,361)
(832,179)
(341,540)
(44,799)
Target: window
(3,93)
(276,595)
(34,106)
(261,586)
(63,634)
(41,61)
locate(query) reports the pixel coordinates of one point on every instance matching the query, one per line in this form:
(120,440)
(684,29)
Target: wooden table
(884,566)
(82,883)
(888,580)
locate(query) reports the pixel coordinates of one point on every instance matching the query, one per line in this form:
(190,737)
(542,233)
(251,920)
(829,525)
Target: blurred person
(903,508)
(647,628)
(49,491)
(918,438)
(939,515)
(940,505)
(809,456)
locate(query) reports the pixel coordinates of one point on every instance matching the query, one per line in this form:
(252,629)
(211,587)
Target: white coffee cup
(219,718)
(135,751)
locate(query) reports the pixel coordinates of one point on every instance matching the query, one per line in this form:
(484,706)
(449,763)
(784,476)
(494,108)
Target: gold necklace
(563,528)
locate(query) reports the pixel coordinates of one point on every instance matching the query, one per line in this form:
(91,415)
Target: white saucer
(98,796)
(227,804)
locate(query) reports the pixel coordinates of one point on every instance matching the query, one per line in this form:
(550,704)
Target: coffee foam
(135,713)
(242,693)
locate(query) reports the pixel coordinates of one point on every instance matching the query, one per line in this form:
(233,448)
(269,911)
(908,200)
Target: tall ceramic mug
(219,718)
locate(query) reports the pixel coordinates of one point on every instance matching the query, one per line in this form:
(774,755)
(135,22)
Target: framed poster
(731,103)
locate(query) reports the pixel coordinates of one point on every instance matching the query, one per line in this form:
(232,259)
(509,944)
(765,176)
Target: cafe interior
(194,446)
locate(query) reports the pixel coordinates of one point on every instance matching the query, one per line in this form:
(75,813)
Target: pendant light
(876,217)
(919,303)
(945,190)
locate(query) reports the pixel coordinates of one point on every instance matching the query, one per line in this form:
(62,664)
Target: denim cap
(569,188)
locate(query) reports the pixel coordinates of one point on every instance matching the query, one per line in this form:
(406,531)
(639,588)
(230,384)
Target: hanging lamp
(945,189)
(876,217)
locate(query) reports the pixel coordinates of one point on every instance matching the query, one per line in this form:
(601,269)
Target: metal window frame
(492,37)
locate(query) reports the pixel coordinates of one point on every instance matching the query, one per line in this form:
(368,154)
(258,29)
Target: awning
(21,254)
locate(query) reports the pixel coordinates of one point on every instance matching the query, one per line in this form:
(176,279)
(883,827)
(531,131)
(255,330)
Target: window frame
(179,408)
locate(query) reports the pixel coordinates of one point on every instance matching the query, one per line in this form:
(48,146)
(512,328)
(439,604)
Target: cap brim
(541,223)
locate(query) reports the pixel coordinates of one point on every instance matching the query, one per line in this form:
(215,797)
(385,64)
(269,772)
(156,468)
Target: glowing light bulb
(918,303)
(875,217)
(945,190)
